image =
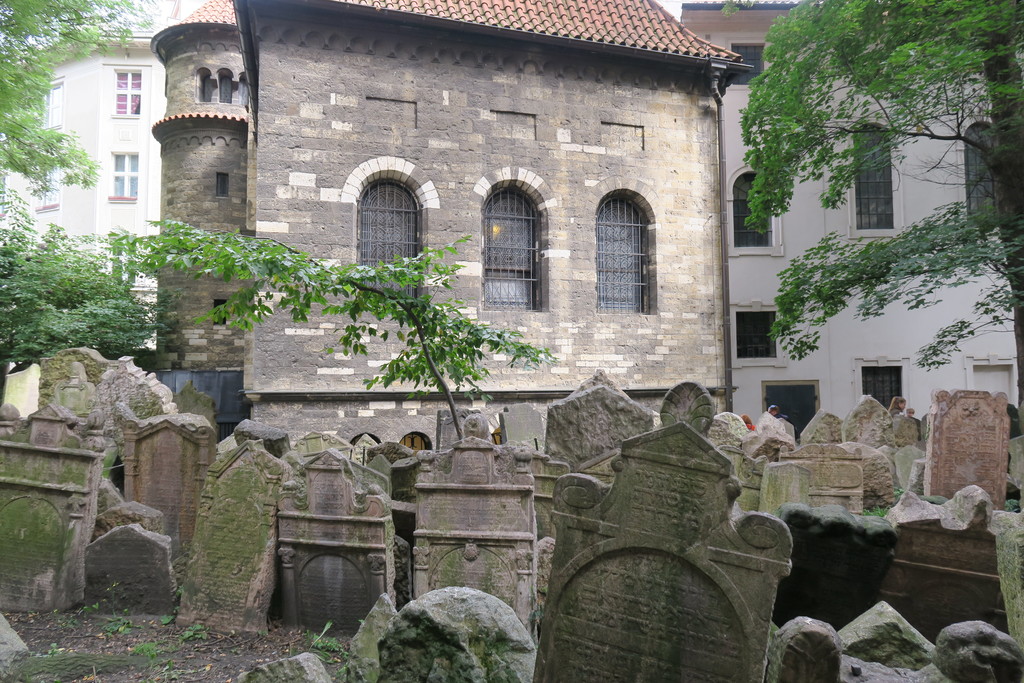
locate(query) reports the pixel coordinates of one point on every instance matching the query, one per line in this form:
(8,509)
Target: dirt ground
(83,645)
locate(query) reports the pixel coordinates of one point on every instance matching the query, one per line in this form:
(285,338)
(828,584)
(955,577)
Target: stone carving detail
(688,402)
(837,475)
(652,578)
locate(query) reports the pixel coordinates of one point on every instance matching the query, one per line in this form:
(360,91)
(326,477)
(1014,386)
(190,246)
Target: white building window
(128,101)
(50,199)
(126,176)
(55,106)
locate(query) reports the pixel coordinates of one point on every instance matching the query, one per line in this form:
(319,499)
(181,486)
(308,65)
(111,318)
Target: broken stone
(364,656)
(304,668)
(882,635)
(977,652)
(127,513)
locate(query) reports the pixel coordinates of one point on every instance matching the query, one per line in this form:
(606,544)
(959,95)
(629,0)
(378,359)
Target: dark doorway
(797,400)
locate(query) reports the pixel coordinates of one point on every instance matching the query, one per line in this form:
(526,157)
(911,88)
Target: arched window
(388,223)
(621,257)
(510,251)
(977,176)
(744,235)
(225,86)
(243,90)
(417,441)
(204,86)
(873,186)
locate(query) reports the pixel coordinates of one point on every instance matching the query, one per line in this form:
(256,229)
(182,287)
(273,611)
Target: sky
(672,6)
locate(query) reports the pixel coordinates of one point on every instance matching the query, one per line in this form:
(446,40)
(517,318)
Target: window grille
(388,223)
(621,257)
(417,441)
(510,251)
(752,334)
(745,235)
(873,188)
(882,382)
(978,178)
(220,185)
(752,55)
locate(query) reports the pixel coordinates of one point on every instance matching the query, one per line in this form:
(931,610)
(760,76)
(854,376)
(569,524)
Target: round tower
(203,140)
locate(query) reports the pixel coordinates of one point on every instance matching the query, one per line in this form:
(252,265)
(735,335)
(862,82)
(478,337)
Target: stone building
(575,145)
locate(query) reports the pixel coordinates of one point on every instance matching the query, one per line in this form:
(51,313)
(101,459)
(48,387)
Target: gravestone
(945,569)
(968,444)
(403,479)
(839,562)
(318,442)
(128,569)
(361,448)
(76,393)
(444,431)
(336,544)
(522,423)
(783,482)
(382,465)
(275,441)
(837,475)
(10,420)
(688,402)
(592,421)
(652,578)
(191,400)
(904,459)
(750,472)
(906,430)
(804,650)
(391,450)
(48,490)
(165,464)
(21,389)
(727,429)
(824,427)
(869,423)
(546,472)
(58,368)
(475,522)
(230,575)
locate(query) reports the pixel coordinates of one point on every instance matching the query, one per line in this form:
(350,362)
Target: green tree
(440,343)
(58,292)
(36,36)
(854,81)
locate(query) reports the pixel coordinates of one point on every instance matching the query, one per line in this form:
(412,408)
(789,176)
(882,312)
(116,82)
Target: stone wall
(453,116)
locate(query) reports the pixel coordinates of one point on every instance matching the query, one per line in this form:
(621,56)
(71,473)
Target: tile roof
(201,115)
(213,12)
(642,24)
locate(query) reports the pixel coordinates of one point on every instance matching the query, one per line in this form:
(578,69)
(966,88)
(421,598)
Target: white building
(110,101)
(856,357)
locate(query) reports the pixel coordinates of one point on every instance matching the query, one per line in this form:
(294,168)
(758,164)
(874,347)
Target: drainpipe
(717,76)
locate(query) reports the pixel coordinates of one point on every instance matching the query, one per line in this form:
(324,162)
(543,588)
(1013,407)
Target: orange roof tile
(642,24)
(213,12)
(201,115)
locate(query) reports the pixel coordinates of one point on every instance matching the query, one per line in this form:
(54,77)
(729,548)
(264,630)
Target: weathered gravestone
(76,393)
(361,448)
(522,423)
(141,391)
(906,430)
(804,650)
(945,569)
(824,427)
(318,442)
(165,464)
(57,369)
(652,579)
(445,434)
(48,489)
(904,459)
(191,400)
(837,475)
(968,444)
(230,575)
(727,429)
(129,569)
(750,472)
(839,562)
(546,472)
(275,441)
(783,482)
(10,420)
(336,542)
(391,450)
(21,389)
(475,521)
(593,421)
(869,423)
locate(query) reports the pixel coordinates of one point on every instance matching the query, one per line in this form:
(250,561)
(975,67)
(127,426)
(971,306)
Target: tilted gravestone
(904,459)
(475,521)
(318,442)
(824,427)
(48,491)
(230,575)
(945,569)
(870,423)
(837,475)
(165,464)
(522,423)
(839,562)
(968,444)
(336,543)
(129,569)
(592,421)
(191,400)
(652,578)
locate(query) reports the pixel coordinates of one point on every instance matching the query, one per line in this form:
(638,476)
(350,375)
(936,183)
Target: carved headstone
(837,475)
(750,472)
(652,578)
(592,421)
(57,369)
(165,464)
(445,433)
(76,393)
(318,442)
(688,402)
(783,482)
(361,448)
(230,575)
(129,569)
(274,440)
(870,423)
(403,479)
(48,490)
(839,562)
(139,390)
(824,427)
(945,569)
(968,444)
(522,423)
(336,542)
(475,521)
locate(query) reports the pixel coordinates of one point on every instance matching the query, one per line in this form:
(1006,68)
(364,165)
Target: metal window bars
(510,251)
(621,257)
